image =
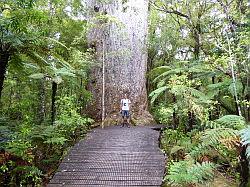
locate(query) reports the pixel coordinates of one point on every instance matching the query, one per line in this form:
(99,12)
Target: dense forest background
(198,81)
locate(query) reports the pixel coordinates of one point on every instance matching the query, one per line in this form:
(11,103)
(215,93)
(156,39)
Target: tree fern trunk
(248,98)
(4,58)
(80,99)
(244,168)
(175,117)
(124,45)
(190,121)
(42,108)
(53,102)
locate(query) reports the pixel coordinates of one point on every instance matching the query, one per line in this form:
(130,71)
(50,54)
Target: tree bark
(175,117)
(244,167)
(124,45)
(53,102)
(197,44)
(248,109)
(42,108)
(4,59)
(190,121)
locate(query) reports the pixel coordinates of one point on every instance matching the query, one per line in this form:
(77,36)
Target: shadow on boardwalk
(113,156)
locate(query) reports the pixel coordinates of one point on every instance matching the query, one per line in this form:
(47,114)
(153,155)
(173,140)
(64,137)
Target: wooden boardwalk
(113,157)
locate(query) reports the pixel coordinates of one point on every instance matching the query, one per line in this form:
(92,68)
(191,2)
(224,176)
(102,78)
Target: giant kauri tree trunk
(123,42)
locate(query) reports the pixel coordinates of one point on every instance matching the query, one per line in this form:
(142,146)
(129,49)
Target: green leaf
(239,88)
(56,140)
(37,76)
(64,72)
(176,149)
(156,93)
(57,80)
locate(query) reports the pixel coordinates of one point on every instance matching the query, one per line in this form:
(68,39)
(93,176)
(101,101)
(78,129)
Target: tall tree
(123,44)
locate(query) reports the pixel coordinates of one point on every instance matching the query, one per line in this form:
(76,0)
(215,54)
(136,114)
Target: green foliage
(156,93)
(28,174)
(163,114)
(69,120)
(175,143)
(29,140)
(42,48)
(20,143)
(186,172)
(219,143)
(245,138)
(232,121)
(199,83)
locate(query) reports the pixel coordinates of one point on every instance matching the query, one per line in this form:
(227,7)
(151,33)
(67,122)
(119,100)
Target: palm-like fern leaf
(169,72)
(232,121)
(156,93)
(214,136)
(245,139)
(185,172)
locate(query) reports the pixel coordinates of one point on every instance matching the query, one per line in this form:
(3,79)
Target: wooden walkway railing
(113,157)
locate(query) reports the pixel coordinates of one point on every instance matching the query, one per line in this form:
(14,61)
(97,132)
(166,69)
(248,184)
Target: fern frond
(232,121)
(198,94)
(38,58)
(199,151)
(56,42)
(220,86)
(231,142)
(175,149)
(162,82)
(159,70)
(203,172)
(214,136)
(168,73)
(228,121)
(184,173)
(156,93)
(245,139)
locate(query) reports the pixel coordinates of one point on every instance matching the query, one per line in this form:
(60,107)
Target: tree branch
(170,11)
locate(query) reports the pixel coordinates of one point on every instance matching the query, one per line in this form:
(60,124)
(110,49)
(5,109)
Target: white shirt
(125,104)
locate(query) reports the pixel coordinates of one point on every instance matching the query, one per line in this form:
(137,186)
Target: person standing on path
(125,104)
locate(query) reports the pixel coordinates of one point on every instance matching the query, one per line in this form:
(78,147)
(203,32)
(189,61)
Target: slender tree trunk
(175,117)
(244,167)
(10,97)
(53,102)
(190,121)
(4,58)
(248,109)
(248,98)
(125,59)
(42,108)
(80,99)
(197,45)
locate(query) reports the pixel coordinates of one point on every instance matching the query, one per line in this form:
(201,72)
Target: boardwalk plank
(113,156)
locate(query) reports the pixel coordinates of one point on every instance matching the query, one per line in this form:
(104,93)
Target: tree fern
(156,93)
(216,138)
(232,121)
(199,150)
(186,172)
(245,139)
(168,73)
(227,121)
(220,86)
(159,70)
